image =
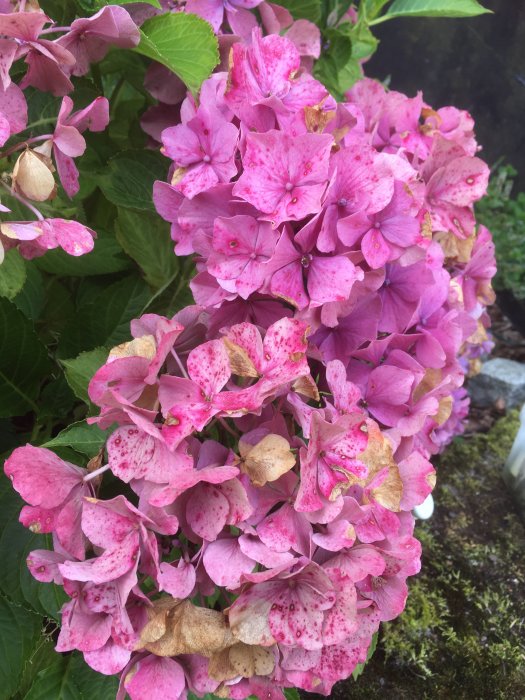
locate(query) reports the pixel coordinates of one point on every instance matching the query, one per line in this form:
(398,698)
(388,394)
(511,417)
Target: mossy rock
(462,635)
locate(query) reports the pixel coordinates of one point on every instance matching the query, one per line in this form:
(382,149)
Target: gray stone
(499,379)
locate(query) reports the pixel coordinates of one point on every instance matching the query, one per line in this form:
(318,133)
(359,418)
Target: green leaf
(103,319)
(56,399)
(364,43)
(55,682)
(433,8)
(106,257)
(92,5)
(291,694)
(31,299)
(371,8)
(92,685)
(12,274)
(81,369)
(146,238)
(23,362)
(337,68)
(129,177)
(185,44)
(16,542)
(303,9)
(82,437)
(42,656)
(19,633)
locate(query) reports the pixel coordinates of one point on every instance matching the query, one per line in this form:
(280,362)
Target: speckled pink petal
(81,629)
(43,565)
(207,511)
(133,454)
(40,477)
(108,523)
(286,529)
(72,236)
(108,566)
(209,367)
(13,108)
(68,525)
(341,620)
(297,613)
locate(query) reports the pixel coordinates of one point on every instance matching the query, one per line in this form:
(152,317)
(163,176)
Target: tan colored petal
(268,460)
(178,175)
(316,118)
(377,456)
(185,628)
(445,409)
(389,493)
(251,661)
(240,361)
(145,346)
(249,623)
(457,249)
(306,386)
(32,177)
(431,379)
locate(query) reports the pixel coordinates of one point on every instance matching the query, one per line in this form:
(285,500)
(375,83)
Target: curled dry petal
(33,177)
(240,362)
(268,460)
(145,346)
(179,627)
(383,481)
(241,660)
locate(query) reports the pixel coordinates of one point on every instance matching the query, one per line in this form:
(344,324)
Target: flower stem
(51,30)
(23,144)
(179,362)
(96,473)
(23,201)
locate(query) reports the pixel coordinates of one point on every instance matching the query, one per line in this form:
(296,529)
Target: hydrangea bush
(234,515)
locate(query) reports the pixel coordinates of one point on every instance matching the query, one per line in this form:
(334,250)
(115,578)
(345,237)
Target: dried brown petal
(445,409)
(241,660)
(183,628)
(316,118)
(306,386)
(268,460)
(378,455)
(431,379)
(145,346)
(33,178)
(389,492)
(178,175)
(240,362)
(458,249)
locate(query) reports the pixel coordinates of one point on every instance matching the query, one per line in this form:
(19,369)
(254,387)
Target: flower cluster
(51,63)
(273,439)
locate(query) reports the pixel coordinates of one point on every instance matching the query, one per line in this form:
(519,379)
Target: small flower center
(288,187)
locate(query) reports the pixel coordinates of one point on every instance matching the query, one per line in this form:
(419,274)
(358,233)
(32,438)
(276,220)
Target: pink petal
(226,550)
(164,675)
(40,477)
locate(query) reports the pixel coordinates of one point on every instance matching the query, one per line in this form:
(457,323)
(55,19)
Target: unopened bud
(33,177)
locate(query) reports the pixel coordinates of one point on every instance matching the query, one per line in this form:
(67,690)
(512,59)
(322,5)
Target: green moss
(462,635)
